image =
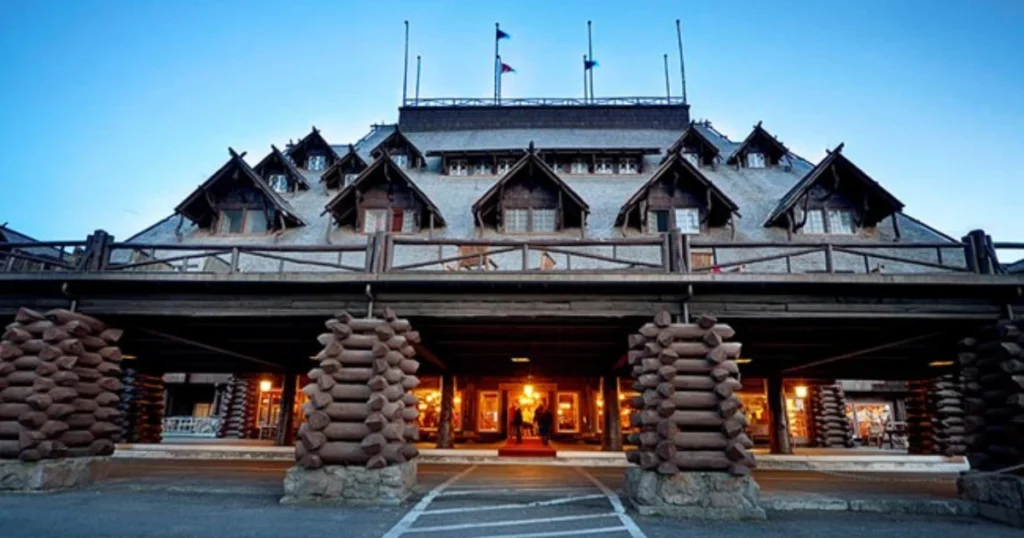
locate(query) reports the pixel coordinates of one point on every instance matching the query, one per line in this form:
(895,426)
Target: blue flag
(501,35)
(589,64)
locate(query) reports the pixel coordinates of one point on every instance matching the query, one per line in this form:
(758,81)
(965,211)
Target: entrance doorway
(528,397)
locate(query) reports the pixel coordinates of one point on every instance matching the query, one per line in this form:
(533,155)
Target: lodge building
(525,241)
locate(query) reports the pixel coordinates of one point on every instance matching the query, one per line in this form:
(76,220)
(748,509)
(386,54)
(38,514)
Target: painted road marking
(552,502)
(578,532)
(510,523)
(403,524)
(627,521)
(507,491)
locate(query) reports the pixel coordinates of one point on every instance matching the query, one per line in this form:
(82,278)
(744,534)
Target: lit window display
(624,411)
(869,419)
(568,412)
(489,415)
(796,414)
(430,409)
(755,408)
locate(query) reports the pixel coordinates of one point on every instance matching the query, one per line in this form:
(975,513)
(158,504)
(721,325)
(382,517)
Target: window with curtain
(628,165)
(840,222)
(815,223)
(604,165)
(756,160)
(482,169)
(316,163)
(504,165)
(579,166)
(230,221)
(375,220)
(255,221)
(458,167)
(657,221)
(543,220)
(688,220)
(694,158)
(517,220)
(279,182)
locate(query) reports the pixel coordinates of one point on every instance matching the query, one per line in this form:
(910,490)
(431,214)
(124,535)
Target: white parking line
(578,532)
(510,523)
(552,502)
(508,491)
(627,521)
(403,524)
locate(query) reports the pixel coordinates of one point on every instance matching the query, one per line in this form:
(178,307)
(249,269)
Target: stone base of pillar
(694,495)
(999,497)
(52,475)
(356,485)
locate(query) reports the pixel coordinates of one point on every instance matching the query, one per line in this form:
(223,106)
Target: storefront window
(430,409)
(624,411)
(755,408)
(869,419)
(568,412)
(489,417)
(796,413)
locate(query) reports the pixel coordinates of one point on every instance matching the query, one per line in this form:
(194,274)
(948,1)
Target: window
(568,412)
(543,220)
(756,160)
(840,222)
(579,166)
(401,160)
(349,179)
(815,222)
(627,166)
(316,162)
(603,166)
(504,165)
(482,169)
(458,167)
(657,221)
(517,220)
(489,414)
(240,220)
(375,220)
(688,220)
(230,221)
(404,221)
(279,182)
(693,157)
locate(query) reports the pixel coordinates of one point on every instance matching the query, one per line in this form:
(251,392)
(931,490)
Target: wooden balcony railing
(179,258)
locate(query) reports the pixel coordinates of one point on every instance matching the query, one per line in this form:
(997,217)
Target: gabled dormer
(835,197)
(280,173)
(236,200)
(759,150)
(695,147)
(401,150)
(530,198)
(384,199)
(345,170)
(678,195)
(312,153)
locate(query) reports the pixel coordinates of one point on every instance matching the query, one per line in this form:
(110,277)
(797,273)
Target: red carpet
(531,448)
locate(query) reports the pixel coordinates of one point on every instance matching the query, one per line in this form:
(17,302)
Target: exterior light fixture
(128,357)
(528,390)
(520,359)
(801,391)
(743,361)
(265,385)
(940,364)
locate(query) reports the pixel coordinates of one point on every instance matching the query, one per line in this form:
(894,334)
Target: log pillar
(612,440)
(285,435)
(830,428)
(445,431)
(779,429)
(920,432)
(947,402)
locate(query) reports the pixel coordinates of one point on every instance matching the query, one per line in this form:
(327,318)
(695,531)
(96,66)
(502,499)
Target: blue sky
(111,112)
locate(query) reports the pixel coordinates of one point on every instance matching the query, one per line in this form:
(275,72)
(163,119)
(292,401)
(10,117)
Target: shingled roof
(276,157)
(759,135)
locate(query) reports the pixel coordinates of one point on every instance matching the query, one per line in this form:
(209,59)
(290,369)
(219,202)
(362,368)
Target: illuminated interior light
(265,385)
(520,359)
(801,391)
(743,361)
(939,364)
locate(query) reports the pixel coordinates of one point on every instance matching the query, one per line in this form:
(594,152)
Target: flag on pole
(499,34)
(589,64)
(505,68)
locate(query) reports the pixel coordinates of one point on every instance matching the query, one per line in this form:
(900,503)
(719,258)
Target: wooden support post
(779,431)
(445,437)
(285,420)
(612,441)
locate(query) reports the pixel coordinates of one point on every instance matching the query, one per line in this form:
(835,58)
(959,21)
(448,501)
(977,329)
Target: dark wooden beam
(866,351)
(430,357)
(208,347)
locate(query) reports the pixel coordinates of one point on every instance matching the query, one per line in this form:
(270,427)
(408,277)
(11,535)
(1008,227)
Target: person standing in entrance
(544,423)
(517,424)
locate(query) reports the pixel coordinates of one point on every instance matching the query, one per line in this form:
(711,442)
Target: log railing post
(235,255)
(779,431)
(526,256)
(970,254)
(686,262)
(445,437)
(389,253)
(830,261)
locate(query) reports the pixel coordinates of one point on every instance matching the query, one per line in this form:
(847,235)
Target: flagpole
(590,54)
(498,101)
(417,80)
(497,64)
(668,87)
(682,68)
(405,69)
(584,78)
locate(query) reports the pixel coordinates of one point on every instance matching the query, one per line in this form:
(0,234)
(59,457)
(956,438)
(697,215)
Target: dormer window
(692,157)
(504,165)
(240,220)
(530,220)
(457,167)
(828,221)
(349,179)
(579,167)
(394,220)
(401,160)
(756,160)
(687,219)
(604,165)
(279,182)
(316,162)
(628,165)
(481,169)
(840,222)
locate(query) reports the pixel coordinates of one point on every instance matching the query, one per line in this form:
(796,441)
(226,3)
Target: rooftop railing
(671,252)
(542,101)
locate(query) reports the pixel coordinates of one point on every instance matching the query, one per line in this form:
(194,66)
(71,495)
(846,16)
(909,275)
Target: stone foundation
(354,484)
(694,495)
(50,475)
(999,497)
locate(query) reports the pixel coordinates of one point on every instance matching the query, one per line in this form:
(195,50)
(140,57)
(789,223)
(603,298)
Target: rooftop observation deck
(471,113)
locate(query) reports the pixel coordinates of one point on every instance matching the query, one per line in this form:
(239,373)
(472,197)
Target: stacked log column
(830,426)
(143,406)
(58,386)
(687,413)
(359,410)
(920,430)
(946,402)
(243,396)
(993,374)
